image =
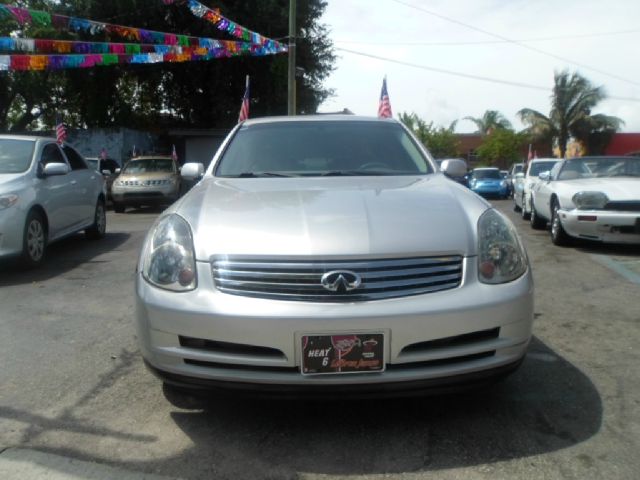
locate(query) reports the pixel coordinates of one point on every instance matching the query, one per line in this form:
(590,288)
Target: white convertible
(593,198)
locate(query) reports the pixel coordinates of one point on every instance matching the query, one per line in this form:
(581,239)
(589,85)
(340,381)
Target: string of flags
(224,24)
(151,47)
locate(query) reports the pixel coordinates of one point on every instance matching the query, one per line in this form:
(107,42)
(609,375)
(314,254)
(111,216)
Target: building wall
(623,144)
(118,142)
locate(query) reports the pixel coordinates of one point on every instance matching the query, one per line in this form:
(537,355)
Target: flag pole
(291,98)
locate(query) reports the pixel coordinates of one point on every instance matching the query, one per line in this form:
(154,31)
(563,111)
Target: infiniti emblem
(341,281)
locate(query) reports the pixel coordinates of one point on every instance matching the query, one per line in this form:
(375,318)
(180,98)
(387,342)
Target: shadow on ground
(61,257)
(547,405)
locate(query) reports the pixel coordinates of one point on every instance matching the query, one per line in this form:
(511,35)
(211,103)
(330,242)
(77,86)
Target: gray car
(47,192)
(327,254)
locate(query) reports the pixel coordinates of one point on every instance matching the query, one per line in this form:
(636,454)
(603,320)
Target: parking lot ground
(73,385)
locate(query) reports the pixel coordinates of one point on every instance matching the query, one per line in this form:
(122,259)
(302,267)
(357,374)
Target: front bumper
(602,225)
(490,190)
(12,222)
(262,338)
(143,195)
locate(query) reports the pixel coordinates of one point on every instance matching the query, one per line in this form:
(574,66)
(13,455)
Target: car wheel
(558,235)
(99,227)
(34,242)
(119,207)
(523,210)
(516,208)
(536,221)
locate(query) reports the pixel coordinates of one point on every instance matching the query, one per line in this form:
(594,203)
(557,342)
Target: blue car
(488,182)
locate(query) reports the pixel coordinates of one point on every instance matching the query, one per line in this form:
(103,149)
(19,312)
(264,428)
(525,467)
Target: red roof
(623,143)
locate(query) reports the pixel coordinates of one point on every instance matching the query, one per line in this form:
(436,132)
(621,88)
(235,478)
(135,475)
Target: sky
(528,41)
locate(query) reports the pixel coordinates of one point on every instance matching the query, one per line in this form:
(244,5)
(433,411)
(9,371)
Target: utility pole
(291,102)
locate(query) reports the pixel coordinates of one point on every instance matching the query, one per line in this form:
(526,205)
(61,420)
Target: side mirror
(192,171)
(118,170)
(519,176)
(545,176)
(54,169)
(454,167)
(106,172)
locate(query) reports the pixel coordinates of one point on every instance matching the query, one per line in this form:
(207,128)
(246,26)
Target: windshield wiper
(352,173)
(262,174)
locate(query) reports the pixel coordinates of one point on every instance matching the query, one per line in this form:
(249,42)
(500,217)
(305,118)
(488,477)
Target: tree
(491,120)
(195,94)
(501,148)
(572,101)
(441,142)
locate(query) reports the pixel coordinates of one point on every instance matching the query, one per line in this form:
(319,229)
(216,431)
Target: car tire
(119,207)
(523,210)
(34,242)
(516,208)
(536,221)
(558,235)
(99,227)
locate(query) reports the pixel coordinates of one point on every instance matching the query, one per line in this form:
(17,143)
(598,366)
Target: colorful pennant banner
(67,61)
(225,25)
(42,46)
(26,16)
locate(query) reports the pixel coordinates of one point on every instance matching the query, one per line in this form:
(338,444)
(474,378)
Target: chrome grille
(301,280)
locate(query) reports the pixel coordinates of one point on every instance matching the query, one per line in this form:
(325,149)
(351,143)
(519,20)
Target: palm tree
(490,120)
(572,100)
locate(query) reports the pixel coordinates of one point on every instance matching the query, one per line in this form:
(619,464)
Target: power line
(468,75)
(493,42)
(515,42)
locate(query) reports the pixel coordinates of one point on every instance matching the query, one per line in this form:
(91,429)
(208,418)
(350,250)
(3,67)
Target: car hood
(332,217)
(618,188)
(9,180)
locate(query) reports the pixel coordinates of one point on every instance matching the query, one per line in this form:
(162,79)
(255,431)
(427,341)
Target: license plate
(344,353)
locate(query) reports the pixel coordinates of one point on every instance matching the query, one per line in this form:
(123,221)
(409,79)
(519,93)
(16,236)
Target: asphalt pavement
(77,403)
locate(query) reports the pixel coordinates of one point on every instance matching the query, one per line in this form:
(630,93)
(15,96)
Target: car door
(84,181)
(543,191)
(54,193)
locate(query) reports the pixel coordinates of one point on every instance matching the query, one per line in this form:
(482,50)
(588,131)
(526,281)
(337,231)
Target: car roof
(32,138)
(317,118)
(487,168)
(146,157)
(549,159)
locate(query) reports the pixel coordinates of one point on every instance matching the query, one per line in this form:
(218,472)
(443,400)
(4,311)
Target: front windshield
(322,148)
(600,167)
(149,165)
(486,174)
(538,167)
(15,155)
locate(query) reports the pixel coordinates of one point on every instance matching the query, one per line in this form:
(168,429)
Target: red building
(623,144)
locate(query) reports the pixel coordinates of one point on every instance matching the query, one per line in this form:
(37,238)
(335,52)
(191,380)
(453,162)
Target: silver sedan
(47,192)
(327,254)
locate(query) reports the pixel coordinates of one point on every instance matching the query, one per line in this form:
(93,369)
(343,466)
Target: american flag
(174,154)
(384,109)
(244,109)
(61,131)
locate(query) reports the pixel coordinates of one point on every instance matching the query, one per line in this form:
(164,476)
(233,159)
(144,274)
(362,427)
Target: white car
(593,198)
(47,192)
(327,254)
(524,182)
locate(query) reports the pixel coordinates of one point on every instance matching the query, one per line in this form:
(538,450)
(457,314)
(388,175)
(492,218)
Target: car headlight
(501,256)
(7,201)
(590,200)
(169,257)
(503,183)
